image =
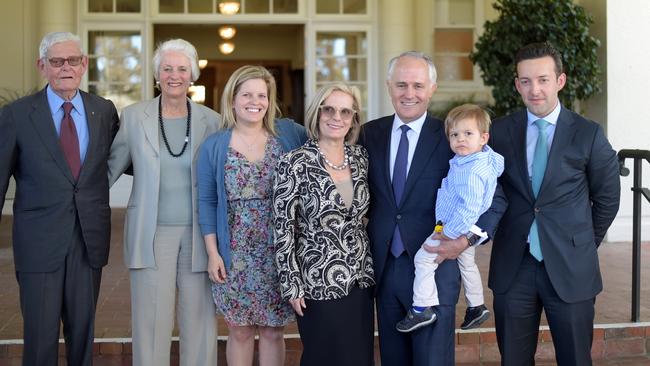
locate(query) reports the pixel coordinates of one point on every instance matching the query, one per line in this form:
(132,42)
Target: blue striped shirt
(467,191)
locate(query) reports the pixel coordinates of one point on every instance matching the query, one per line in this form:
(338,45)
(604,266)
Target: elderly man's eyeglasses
(59,61)
(329,112)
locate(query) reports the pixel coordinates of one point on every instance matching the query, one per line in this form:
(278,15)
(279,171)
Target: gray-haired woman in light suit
(163,247)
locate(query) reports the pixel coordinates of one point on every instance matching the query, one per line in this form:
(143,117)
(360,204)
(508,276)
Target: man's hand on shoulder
(448,248)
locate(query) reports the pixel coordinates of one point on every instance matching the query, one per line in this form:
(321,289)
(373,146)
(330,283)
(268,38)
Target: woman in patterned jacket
(324,264)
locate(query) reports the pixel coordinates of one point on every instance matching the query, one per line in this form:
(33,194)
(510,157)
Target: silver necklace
(346,160)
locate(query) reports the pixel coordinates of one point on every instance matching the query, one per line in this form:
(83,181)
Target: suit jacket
(137,144)
(576,204)
(322,248)
(49,203)
(415,215)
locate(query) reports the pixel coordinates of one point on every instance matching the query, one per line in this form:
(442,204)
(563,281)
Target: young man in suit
(409,156)
(562,187)
(55,144)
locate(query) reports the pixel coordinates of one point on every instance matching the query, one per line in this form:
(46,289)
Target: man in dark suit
(55,144)
(409,157)
(562,187)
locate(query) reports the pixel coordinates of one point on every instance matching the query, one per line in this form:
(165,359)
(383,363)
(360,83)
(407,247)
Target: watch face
(472,239)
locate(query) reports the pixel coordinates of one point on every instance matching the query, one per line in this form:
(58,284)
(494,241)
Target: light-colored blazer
(137,143)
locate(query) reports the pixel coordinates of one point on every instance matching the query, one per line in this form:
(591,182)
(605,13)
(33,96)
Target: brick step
(611,342)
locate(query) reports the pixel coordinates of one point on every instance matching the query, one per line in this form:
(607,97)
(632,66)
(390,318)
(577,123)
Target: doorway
(278,47)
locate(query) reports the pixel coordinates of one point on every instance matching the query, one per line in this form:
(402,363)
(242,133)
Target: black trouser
(68,294)
(517,315)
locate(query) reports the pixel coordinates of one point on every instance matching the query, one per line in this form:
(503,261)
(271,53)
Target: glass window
(100,6)
(454,68)
(199,6)
(121,6)
(171,6)
(341,44)
(115,66)
(128,6)
(455,12)
(327,7)
(285,6)
(341,6)
(454,40)
(340,69)
(343,56)
(354,6)
(257,7)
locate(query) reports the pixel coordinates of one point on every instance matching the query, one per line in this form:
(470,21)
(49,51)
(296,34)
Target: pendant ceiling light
(227,32)
(226,47)
(229,7)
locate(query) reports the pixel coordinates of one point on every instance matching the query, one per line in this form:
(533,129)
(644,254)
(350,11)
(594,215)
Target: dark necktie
(399,180)
(70,141)
(540,158)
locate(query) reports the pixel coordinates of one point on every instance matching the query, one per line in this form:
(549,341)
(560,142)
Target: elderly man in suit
(55,144)
(409,156)
(562,187)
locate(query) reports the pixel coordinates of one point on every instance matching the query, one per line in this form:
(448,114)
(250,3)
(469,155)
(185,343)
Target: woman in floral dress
(235,171)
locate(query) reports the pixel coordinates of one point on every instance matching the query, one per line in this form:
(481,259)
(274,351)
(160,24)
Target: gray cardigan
(213,203)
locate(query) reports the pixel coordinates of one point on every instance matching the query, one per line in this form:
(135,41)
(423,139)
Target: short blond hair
(465,111)
(313,111)
(240,76)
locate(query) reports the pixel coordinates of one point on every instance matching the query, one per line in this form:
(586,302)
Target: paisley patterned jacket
(321,246)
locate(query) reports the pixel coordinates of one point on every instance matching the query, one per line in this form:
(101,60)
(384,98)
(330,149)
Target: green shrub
(520,22)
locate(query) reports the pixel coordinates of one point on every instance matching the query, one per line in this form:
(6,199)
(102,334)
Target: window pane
(341,44)
(199,6)
(114,69)
(170,6)
(340,69)
(354,7)
(100,6)
(122,95)
(285,6)
(115,65)
(327,6)
(114,43)
(453,40)
(454,68)
(455,11)
(257,7)
(128,6)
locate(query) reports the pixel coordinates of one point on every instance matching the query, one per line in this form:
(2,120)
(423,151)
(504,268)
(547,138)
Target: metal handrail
(638,191)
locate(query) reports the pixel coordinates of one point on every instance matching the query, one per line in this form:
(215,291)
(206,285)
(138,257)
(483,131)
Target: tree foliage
(520,22)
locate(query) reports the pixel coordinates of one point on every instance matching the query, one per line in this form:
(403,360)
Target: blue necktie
(539,168)
(399,180)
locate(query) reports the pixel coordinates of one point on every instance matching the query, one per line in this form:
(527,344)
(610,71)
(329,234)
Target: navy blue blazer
(415,215)
(576,204)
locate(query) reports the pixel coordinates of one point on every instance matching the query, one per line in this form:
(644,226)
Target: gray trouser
(153,293)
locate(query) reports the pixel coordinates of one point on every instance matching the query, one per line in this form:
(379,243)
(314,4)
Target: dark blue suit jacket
(48,201)
(577,202)
(415,215)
